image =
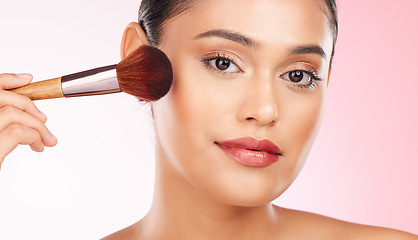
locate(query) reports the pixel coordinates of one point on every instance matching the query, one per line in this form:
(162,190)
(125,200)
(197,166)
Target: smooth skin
(200,192)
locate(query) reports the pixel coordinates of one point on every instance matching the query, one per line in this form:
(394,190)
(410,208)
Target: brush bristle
(146,73)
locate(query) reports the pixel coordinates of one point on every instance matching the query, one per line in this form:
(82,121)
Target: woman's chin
(247,195)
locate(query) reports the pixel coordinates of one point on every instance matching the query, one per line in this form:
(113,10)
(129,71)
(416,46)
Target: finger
(16,134)
(11,115)
(21,102)
(10,80)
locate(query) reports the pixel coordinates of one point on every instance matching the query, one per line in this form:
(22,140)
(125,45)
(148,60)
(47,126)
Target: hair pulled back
(153,15)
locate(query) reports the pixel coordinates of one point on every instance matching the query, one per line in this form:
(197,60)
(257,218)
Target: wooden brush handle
(42,90)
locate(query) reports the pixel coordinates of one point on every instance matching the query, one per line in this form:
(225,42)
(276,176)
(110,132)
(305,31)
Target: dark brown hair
(153,15)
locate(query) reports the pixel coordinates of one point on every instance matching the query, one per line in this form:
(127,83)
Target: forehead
(271,23)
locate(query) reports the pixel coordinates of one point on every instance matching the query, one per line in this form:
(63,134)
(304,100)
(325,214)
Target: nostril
(265,122)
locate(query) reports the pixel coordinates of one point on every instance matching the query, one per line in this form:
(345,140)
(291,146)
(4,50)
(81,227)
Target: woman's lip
(251,143)
(251,152)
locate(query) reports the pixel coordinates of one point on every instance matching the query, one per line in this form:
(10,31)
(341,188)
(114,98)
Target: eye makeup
(301,75)
(303,79)
(221,63)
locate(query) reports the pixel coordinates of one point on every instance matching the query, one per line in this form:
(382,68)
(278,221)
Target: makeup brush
(146,73)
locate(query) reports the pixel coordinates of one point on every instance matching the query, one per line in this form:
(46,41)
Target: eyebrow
(229,35)
(246,41)
(308,49)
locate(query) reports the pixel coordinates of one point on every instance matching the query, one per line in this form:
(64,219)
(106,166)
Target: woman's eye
(223,65)
(298,76)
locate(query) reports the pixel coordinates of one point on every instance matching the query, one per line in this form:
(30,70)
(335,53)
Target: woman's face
(243,69)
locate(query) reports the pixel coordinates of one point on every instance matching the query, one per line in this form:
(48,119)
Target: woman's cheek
(201,98)
(304,118)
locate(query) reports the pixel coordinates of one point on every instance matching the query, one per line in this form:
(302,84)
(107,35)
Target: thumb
(10,80)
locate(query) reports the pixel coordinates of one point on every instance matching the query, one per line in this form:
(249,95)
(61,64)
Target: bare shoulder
(127,233)
(322,227)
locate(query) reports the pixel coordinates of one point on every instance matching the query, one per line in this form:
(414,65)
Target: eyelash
(218,56)
(313,83)
(313,74)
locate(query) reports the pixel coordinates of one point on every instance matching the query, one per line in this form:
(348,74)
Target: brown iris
(296,76)
(222,64)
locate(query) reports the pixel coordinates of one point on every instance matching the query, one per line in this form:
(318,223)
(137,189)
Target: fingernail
(53,137)
(24,75)
(43,115)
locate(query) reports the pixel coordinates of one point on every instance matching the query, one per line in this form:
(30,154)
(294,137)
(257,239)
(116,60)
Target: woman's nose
(259,104)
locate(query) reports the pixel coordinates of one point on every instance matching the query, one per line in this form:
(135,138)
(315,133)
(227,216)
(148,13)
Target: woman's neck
(182,210)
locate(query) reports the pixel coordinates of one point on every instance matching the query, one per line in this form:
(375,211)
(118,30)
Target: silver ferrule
(96,81)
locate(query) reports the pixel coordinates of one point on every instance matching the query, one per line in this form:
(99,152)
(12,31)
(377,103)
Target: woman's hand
(20,120)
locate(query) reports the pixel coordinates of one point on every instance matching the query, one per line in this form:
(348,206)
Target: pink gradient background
(363,167)
(364,164)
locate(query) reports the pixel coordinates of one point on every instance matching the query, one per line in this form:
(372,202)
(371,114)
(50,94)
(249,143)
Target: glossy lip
(251,152)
